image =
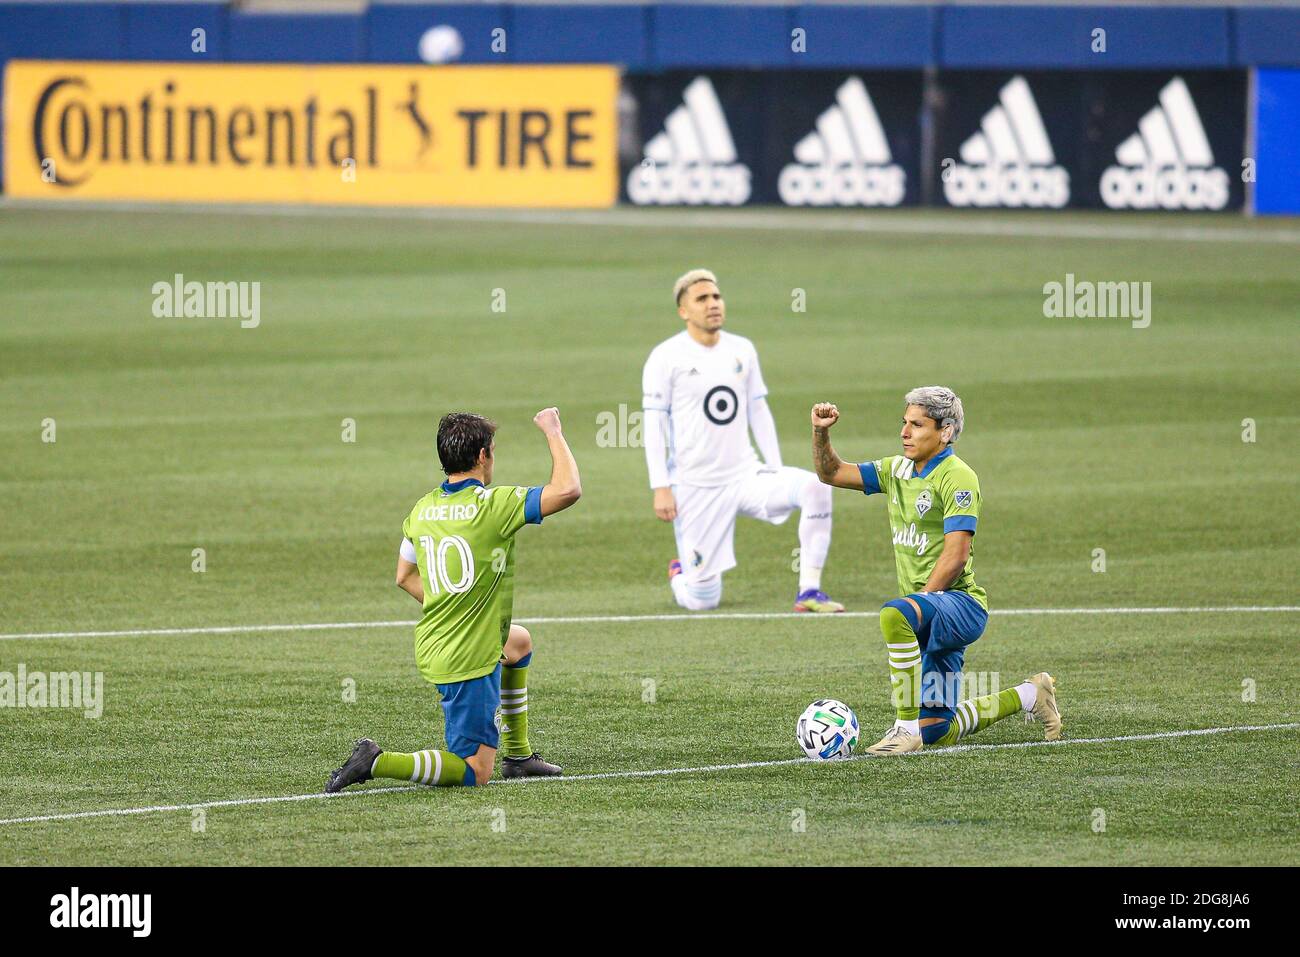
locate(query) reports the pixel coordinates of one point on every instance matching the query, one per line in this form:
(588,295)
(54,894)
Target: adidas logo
(845,161)
(1009,161)
(693,160)
(1167,163)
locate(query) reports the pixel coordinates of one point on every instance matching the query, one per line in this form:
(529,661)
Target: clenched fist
(824,415)
(548,420)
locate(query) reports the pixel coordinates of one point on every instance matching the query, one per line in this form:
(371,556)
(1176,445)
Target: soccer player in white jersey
(703,394)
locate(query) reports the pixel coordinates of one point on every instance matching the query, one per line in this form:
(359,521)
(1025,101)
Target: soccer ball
(827,730)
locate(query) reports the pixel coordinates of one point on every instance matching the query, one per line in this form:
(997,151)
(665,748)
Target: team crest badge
(963,499)
(697,560)
(923,503)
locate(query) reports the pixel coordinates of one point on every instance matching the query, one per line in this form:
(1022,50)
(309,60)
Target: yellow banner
(391,135)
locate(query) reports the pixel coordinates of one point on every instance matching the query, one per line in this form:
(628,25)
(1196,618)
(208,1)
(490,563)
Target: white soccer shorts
(706,517)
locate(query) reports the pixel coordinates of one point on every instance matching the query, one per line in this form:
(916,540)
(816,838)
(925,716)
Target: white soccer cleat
(1045,707)
(896,741)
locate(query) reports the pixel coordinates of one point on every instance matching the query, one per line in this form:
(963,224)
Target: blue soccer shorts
(950,620)
(470,710)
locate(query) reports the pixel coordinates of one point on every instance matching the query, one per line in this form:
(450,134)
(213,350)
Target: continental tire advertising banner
(450,136)
(805,138)
(1114,140)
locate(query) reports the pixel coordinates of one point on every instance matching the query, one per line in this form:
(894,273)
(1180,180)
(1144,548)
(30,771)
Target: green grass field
(176,434)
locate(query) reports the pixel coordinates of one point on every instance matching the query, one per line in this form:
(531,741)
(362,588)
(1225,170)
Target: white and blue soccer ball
(827,730)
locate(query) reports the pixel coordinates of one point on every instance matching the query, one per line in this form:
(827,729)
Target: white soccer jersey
(706,391)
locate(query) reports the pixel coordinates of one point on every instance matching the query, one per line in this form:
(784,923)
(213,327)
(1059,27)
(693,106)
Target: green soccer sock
(976,714)
(904,663)
(442,769)
(514,709)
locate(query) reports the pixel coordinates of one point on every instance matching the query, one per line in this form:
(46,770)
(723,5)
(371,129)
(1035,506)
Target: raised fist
(824,415)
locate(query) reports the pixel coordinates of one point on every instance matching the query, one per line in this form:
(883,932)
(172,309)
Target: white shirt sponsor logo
(845,161)
(1167,163)
(693,161)
(1009,161)
(909,538)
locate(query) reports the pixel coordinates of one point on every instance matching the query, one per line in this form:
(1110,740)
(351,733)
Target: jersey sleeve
(875,475)
(514,506)
(959,494)
(754,383)
(657,383)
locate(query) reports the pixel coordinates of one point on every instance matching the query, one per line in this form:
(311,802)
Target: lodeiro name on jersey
(449,513)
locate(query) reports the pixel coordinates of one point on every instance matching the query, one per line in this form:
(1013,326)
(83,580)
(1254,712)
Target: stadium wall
(656,45)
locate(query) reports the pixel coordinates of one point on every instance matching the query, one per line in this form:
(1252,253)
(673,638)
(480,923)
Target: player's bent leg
(701,595)
(815,507)
(519,645)
(434,767)
(901,624)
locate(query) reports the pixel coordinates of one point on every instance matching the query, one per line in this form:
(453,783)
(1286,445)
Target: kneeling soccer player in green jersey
(458,560)
(933,501)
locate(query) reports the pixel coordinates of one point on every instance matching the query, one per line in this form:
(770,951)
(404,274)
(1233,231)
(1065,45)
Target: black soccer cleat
(357,767)
(530,767)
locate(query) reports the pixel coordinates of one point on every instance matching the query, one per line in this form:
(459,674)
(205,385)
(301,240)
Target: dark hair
(461,436)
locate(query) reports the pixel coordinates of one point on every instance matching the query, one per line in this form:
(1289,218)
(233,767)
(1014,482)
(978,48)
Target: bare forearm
(564,469)
(825,461)
(946,571)
(413,587)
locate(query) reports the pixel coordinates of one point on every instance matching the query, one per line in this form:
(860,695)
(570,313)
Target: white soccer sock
(814,533)
(911,727)
(1028,695)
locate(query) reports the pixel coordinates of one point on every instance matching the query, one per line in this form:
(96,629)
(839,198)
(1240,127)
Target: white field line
(604,619)
(658,772)
(931,224)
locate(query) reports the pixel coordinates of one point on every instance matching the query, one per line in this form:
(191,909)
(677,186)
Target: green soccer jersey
(923,508)
(462,536)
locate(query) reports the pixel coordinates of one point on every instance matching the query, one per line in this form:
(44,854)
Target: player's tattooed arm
(830,468)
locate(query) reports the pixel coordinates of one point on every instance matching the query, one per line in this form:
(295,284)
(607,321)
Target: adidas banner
(807,138)
(1114,140)
(1166,141)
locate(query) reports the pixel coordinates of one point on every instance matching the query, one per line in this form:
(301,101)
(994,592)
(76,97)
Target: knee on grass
(698,596)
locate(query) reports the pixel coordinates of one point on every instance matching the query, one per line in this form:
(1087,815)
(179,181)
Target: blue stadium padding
(395,30)
(546,33)
(884,37)
(63,31)
(165,31)
(295,38)
(1277,142)
(1267,37)
(718,37)
(1136,37)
